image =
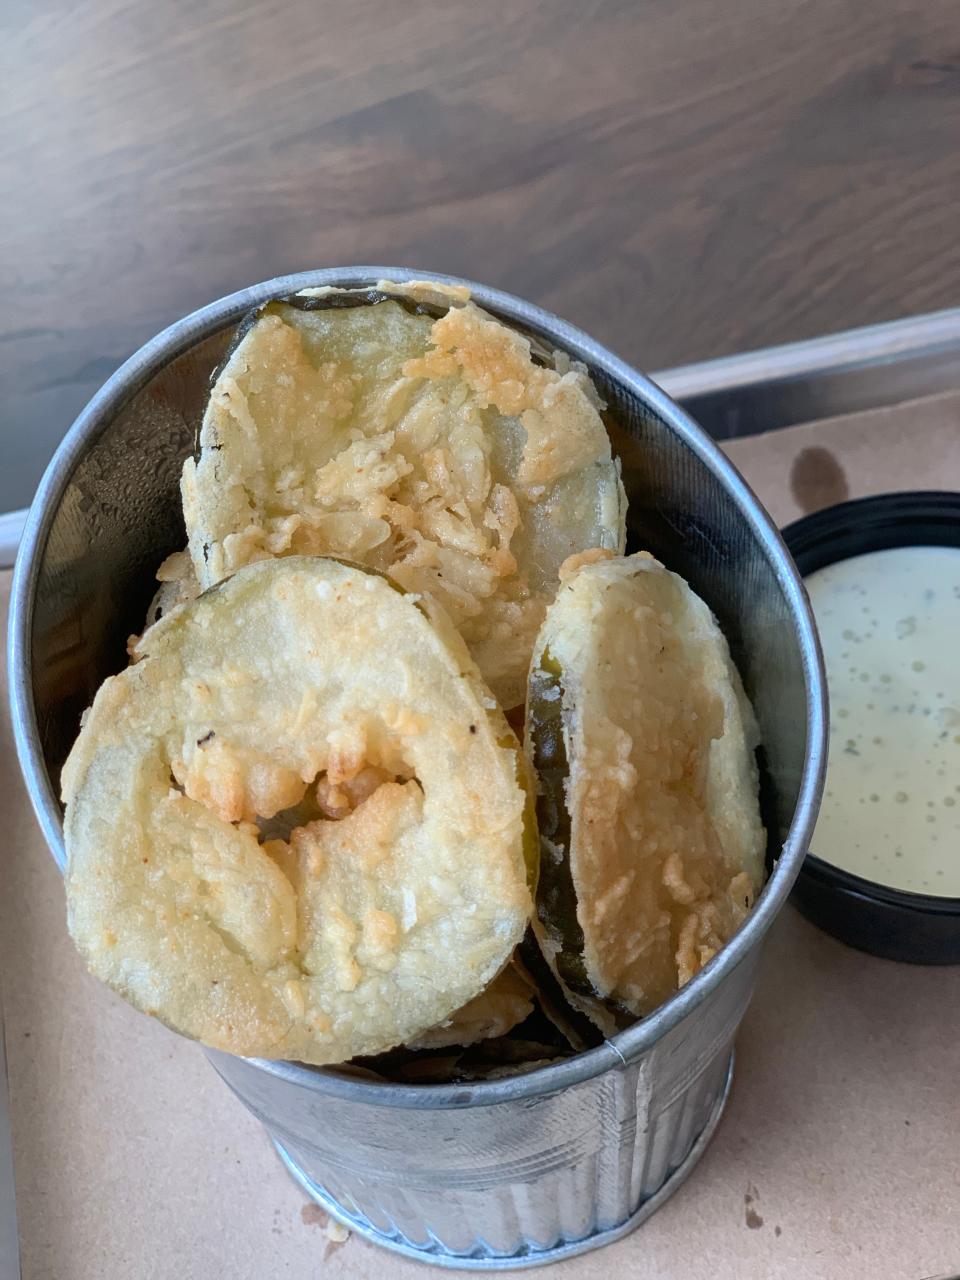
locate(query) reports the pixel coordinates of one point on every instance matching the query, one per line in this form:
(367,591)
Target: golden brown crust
(178,583)
(437,450)
(666,845)
(499,1008)
(557,412)
(353,934)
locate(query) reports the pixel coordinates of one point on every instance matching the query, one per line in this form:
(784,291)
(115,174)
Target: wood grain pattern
(682,180)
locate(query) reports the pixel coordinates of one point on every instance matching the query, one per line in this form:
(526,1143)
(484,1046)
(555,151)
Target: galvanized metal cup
(504,1173)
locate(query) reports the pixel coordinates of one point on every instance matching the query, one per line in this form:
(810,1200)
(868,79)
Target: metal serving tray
(774,387)
(848,372)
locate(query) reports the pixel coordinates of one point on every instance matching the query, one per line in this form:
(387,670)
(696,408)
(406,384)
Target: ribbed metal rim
(481,1260)
(178,338)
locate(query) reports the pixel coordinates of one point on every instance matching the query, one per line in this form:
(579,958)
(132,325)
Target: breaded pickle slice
(426,440)
(298,685)
(652,846)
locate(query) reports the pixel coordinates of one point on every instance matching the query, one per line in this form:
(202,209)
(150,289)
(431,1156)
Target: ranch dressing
(889,622)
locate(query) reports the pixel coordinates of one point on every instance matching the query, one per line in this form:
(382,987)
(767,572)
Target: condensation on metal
(498,1172)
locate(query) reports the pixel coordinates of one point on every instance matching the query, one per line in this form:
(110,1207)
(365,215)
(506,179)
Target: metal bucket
(503,1173)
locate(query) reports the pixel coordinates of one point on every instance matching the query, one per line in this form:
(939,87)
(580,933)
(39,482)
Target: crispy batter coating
(365,926)
(437,449)
(666,846)
(178,583)
(499,1008)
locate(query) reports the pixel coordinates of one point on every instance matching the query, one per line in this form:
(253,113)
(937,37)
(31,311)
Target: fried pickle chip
(652,846)
(430,445)
(178,583)
(355,933)
(499,1008)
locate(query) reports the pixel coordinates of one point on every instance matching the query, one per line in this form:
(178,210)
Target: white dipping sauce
(890,626)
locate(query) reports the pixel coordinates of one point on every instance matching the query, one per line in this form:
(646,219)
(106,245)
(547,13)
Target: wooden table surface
(682,179)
